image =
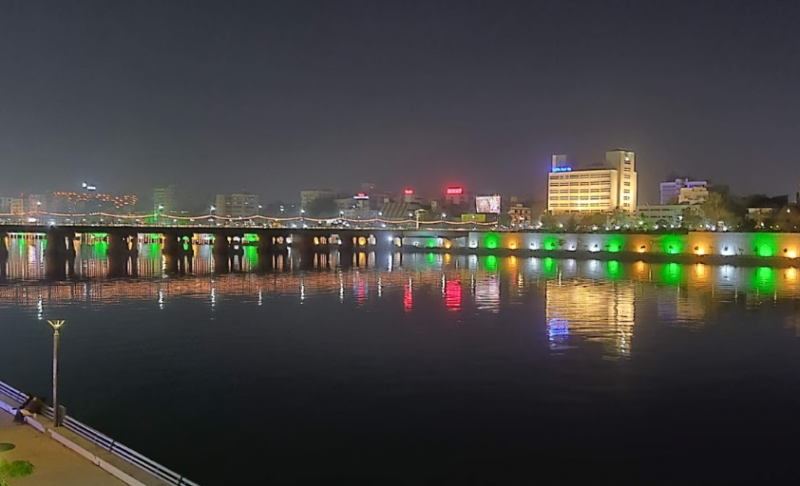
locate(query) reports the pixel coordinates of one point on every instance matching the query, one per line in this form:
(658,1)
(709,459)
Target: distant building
(344,203)
(398,210)
(11,206)
(600,188)
(520,214)
(411,197)
(454,196)
(693,195)
(309,196)
(237,205)
(763,209)
(664,214)
(89,202)
(165,200)
(35,203)
(672,191)
(760,215)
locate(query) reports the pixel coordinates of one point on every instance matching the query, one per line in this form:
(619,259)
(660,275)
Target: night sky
(276,96)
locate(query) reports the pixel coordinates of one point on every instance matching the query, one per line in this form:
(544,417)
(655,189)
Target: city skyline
(282,97)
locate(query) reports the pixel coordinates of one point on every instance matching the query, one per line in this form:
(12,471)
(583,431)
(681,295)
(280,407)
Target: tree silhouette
(322,208)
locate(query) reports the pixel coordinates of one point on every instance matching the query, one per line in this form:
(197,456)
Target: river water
(425,369)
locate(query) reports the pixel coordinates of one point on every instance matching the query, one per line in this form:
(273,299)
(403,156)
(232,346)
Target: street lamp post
(56,325)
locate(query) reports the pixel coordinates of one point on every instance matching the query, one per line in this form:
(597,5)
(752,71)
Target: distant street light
(56,325)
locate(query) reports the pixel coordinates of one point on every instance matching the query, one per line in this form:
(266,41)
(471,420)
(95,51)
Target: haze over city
(274,97)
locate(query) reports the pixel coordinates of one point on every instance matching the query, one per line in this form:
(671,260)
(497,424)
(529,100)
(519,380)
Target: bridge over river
(228,243)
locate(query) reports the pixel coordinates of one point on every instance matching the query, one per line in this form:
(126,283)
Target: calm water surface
(430,370)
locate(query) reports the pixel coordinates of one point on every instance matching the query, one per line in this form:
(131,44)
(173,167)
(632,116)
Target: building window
(626,183)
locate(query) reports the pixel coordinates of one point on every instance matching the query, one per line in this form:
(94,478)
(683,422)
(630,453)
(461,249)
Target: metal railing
(107,443)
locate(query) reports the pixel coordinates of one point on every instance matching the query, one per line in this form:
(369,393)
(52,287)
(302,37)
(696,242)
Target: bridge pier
(3,255)
(178,253)
(59,252)
(122,250)
(310,246)
(228,252)
(346,249)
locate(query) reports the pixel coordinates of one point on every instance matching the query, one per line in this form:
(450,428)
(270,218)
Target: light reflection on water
(588,301)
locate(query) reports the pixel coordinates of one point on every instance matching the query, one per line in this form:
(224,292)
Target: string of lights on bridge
(303,219)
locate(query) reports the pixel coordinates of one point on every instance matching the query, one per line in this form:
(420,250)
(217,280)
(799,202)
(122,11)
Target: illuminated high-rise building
(595,188)
(165,200)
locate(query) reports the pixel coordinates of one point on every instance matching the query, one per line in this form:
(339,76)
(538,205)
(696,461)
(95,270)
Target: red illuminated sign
(361,195)
(408,192)
(455,191)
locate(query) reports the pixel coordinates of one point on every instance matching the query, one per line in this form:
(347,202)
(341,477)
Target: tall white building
(601,188)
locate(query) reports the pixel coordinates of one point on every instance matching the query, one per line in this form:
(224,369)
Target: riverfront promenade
(62,458)
(54,464)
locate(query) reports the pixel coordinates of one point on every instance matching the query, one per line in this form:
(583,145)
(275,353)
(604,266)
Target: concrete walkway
(54,464)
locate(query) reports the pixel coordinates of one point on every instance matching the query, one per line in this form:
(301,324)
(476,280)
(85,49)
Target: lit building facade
(12,205)
(673,191)
(594,189)
(693,195)
(237,205)
(662,214)
(165,200)
(88,202)
(520,214)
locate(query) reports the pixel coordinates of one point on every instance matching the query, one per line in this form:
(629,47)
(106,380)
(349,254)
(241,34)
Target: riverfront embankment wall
(732,246)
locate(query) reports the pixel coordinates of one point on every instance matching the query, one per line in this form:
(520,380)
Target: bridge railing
(107,443)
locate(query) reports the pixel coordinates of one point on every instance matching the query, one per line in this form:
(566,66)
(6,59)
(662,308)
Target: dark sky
(274,96)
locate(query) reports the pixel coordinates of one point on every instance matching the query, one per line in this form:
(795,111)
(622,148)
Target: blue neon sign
(562,169)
